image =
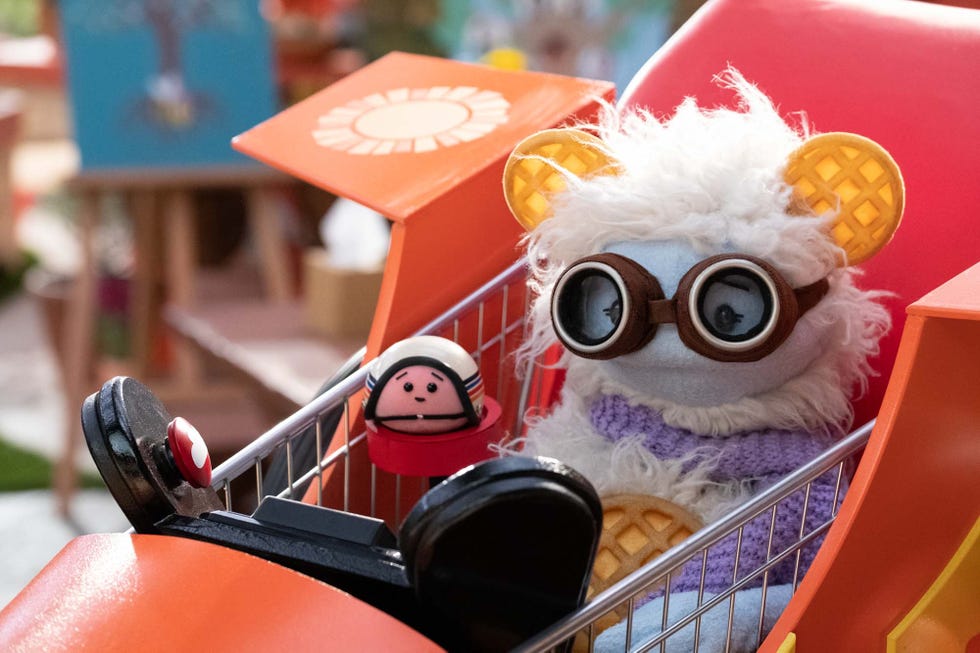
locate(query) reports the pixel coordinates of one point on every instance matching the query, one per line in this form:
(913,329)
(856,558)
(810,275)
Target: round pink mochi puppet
(424,385)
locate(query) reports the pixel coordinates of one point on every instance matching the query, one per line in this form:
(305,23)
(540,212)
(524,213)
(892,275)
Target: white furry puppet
(696,271)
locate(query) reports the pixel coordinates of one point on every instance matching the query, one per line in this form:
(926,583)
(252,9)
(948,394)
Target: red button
(190,452)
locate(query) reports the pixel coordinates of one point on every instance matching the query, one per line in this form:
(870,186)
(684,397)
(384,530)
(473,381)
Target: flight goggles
(730,307)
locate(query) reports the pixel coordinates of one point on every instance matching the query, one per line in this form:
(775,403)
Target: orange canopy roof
(406,129)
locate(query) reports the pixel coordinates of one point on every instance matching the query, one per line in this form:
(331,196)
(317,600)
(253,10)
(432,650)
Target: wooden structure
(163,216)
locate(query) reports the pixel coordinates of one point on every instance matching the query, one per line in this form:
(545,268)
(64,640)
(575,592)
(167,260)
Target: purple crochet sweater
(761,457)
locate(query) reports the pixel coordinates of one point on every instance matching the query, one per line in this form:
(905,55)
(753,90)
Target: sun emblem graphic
(412,120)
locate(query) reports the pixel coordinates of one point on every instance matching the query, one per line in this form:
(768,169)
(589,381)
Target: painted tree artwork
(169,99)
(165,82)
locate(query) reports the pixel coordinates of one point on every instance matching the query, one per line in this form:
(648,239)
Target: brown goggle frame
(645,306)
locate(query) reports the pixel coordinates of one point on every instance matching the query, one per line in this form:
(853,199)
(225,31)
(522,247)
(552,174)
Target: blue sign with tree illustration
(166,83)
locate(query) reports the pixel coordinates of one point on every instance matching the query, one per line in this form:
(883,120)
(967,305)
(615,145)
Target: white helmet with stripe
(441,354)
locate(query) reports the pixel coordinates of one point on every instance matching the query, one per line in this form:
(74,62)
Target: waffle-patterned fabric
(761,457)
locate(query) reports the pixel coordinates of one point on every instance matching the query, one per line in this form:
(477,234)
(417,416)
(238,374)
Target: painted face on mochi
(668,369)
(420,399)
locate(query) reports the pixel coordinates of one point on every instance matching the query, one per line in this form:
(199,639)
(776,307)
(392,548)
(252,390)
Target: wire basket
(490,324)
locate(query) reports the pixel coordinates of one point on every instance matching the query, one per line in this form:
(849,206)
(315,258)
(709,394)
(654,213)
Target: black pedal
(325,522)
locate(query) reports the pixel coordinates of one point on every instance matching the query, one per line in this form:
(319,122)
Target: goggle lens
(590,306)
(734,305)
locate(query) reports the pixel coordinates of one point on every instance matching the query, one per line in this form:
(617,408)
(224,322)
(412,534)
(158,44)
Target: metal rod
(347,455)
(289,466)
(799,552)
(837,486)
(319,462)
(258,480)
(479,334)
(697,622)
(762,609)
(629,622)
(765,578)
(731,621)
(666,610)
(505,296)
(731,601)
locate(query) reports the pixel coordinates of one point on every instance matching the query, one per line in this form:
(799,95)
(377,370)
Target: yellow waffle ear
(532,177)
(858,178)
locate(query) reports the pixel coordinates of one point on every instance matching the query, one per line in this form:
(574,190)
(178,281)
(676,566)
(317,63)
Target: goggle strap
(808,296)
(662,311)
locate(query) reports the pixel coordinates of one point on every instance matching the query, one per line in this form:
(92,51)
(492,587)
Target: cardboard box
(340,303)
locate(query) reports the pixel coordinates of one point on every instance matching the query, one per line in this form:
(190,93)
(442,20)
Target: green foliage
(24,470)
(404,25)
(12,276)
(20,17)
(112,333)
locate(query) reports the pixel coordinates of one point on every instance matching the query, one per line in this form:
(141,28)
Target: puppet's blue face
(666,368)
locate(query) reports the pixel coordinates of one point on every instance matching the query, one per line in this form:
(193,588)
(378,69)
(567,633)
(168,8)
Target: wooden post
(267,233)
(144,204)
(78,347)
(9,120)
(179,264)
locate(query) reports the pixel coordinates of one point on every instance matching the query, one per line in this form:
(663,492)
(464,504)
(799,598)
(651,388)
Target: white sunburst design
(412,120)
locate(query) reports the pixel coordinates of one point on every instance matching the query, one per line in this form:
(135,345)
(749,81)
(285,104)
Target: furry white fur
(712,182)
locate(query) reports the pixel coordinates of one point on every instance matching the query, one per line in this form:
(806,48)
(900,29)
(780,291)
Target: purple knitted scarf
(760,457)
